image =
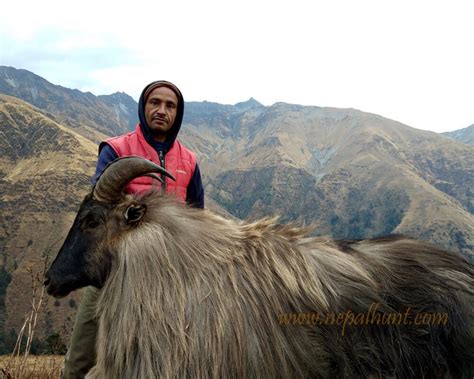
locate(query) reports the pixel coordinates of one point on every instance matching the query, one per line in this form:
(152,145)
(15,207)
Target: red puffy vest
(179,161)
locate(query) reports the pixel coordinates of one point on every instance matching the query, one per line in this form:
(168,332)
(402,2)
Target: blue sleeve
(106,155)
(195,190)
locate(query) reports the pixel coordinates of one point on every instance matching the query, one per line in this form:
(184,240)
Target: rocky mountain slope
(44,172)
(352,173)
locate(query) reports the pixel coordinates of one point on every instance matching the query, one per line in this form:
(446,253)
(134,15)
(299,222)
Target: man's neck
(160,139)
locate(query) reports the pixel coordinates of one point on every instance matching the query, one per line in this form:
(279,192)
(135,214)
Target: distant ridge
(465,135)
(93,116)
(248,105)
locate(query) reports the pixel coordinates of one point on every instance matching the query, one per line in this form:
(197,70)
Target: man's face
(160,112)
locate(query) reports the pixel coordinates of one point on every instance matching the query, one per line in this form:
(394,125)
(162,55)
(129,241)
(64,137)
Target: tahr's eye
(92,223)
(135,213)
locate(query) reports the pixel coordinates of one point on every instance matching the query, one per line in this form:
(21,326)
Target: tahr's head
(104,215)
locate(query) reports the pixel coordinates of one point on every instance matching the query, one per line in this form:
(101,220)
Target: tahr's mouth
(58,291)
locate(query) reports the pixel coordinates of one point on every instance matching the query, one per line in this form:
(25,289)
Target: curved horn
(120,172)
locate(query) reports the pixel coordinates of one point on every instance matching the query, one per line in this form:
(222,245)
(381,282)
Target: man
(160,112)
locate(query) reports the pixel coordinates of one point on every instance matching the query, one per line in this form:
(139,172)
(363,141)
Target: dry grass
(31,367)
(20,364)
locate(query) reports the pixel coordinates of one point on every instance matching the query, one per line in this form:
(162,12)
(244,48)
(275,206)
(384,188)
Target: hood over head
(173,133)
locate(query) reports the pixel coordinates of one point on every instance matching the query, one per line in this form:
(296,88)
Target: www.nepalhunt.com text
(372,317)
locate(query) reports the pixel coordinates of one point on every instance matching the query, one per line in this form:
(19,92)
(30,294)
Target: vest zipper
(162,164)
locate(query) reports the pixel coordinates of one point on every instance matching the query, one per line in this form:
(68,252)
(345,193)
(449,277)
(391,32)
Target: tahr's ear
(135,213)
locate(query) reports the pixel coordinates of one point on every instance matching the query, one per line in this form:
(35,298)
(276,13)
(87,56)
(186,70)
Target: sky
(410,61)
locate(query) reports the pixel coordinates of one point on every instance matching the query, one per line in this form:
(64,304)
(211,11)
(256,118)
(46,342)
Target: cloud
(410,61)
(69,56)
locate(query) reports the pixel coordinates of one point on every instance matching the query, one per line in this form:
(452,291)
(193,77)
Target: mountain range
(351,174)
(465,135)
(95,117)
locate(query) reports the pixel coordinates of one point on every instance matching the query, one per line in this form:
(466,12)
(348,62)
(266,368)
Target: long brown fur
(191,294)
